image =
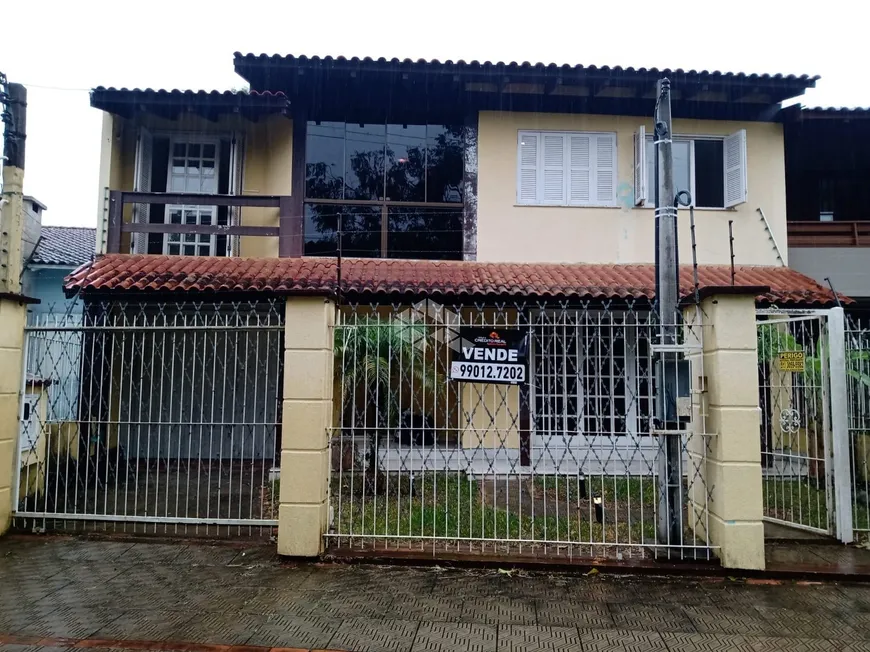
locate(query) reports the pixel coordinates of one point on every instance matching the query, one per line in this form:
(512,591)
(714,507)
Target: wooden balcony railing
(829,234)
(288,231)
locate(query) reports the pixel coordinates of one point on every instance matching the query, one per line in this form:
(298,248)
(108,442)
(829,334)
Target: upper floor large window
(394,189)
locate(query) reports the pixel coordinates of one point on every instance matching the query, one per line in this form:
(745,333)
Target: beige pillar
(13,312)
(728,503)
(307,416)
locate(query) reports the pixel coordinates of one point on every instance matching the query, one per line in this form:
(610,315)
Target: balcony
(288,231)
(829,234)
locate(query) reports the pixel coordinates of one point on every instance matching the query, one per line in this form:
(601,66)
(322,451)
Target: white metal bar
(840,425)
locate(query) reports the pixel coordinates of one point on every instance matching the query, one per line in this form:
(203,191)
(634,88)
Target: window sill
(723,209)
(566,206)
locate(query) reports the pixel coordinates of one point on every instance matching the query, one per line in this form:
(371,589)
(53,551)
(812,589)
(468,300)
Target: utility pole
(13,98)
(670,476)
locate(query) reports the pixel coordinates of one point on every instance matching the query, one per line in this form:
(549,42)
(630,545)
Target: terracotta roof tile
(371,276)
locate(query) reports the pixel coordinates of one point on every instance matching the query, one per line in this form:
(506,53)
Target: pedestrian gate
(804,441)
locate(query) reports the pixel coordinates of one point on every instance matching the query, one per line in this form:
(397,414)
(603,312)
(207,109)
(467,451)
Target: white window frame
(542,437)
(649,199)
(187,139)
(566,202)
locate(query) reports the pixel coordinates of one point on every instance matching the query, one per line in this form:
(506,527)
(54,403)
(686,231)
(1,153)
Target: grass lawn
(803,501)
(451,505)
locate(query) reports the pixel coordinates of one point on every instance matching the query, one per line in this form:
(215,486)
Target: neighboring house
(56,251)
(50,254)
(827,155)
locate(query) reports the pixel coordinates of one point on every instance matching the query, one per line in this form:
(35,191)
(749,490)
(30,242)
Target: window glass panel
(193,167)
(178,165)
(364,162)
(405,162)
(361,230)
(682,169)
(682,161)
(709,173)
(208,151)
(179,150)
(324,165)
(426,233)
(444,163)
(193,150)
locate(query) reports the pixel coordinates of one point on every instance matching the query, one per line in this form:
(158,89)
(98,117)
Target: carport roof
(424,278)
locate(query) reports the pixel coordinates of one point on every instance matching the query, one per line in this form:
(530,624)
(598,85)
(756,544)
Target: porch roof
(421,278)
(170,102)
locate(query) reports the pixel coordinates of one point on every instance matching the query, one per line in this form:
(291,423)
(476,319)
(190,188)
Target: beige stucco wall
(266,171)
(507,232)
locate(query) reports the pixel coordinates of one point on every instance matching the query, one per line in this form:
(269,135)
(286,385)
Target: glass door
(193,167)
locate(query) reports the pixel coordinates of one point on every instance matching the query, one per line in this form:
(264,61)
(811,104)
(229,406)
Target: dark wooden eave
(462,87)
(127,102)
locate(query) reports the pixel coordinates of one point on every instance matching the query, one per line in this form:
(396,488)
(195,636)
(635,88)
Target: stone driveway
(64,592)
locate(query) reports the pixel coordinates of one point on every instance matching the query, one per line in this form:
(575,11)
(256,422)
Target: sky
(62,49)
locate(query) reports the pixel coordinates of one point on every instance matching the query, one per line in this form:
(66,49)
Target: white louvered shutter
(553,169)
(142,183)
(580,174)
(527,169)
(735,168)
(605,169)
(640,180)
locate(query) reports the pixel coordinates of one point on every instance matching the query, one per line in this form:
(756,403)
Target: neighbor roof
(68,246)
(371,276)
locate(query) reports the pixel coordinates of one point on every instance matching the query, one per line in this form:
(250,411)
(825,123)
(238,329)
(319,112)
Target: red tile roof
(118,272)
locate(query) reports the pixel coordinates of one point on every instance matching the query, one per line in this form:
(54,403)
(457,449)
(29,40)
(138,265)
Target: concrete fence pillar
(728,458)
(12,318)
(307,416)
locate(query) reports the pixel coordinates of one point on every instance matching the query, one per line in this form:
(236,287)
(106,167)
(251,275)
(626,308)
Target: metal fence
(858,395)
(152,417)
(794,402)
(439,447)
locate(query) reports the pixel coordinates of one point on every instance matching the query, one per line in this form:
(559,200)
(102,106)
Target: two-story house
(426,197)
(511,162)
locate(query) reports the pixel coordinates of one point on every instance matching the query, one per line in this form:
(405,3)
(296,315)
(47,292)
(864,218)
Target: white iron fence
(858,382)
(152,417)
(514,428)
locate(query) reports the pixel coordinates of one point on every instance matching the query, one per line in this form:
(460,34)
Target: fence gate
(513,429)
(152,417)
(858,380)
(804,444)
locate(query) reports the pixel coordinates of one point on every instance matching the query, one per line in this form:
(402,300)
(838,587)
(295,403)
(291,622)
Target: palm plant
(377,363)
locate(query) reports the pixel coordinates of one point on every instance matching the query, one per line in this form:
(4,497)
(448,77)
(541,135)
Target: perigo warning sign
(791,361)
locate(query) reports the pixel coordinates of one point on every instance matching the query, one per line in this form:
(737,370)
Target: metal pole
(13,104)
(670,458)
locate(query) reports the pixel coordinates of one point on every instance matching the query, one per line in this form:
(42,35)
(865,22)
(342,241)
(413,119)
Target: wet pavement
(60,592)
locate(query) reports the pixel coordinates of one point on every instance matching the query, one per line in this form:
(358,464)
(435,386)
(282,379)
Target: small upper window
(712,169)
(566,168)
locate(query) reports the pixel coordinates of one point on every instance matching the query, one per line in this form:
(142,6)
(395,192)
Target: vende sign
(490,355)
